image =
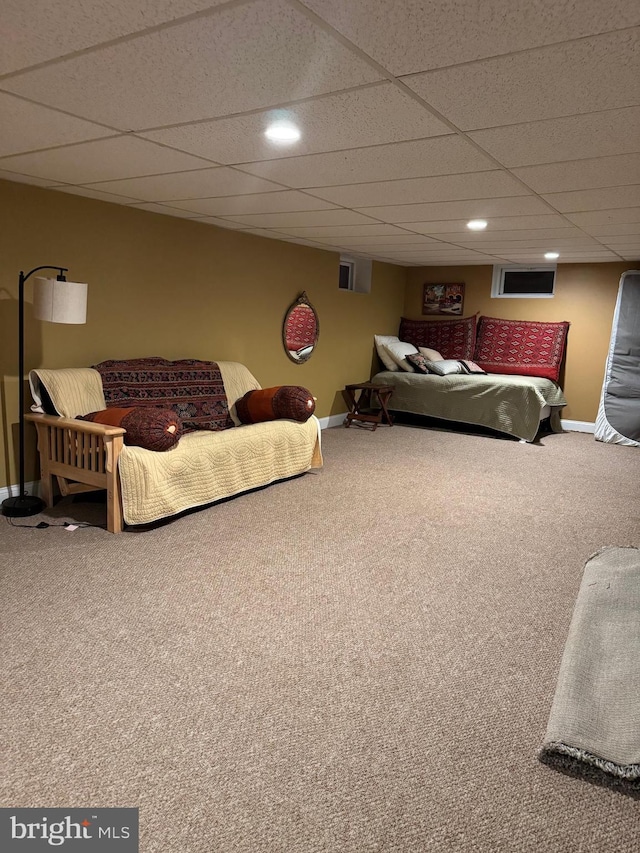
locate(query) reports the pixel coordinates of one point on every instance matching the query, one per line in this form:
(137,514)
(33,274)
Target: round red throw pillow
(153,429)
(269,404)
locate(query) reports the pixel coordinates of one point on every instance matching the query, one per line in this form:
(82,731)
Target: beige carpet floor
(360,659)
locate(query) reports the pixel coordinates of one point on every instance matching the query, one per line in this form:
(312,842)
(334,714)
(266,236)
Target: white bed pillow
(381,341)
(430,354)
(398,352)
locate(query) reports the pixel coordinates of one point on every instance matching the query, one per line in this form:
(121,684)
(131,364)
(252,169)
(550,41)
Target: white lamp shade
(60,301)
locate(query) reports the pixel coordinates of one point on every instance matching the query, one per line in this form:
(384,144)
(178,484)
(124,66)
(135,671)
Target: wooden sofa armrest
(83,456)
(75,423)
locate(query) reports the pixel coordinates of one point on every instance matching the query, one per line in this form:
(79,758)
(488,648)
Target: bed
(510,404)
(485,371)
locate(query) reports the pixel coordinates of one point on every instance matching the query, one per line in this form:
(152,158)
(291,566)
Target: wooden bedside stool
(362,398)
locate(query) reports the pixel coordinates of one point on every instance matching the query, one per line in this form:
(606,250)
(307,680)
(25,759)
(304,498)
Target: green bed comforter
(510,404)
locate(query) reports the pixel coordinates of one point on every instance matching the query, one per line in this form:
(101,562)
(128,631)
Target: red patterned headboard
(451,338)
(525,347)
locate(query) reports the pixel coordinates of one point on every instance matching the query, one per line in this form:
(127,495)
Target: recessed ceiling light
(551,256)
(477,224)
(283,132)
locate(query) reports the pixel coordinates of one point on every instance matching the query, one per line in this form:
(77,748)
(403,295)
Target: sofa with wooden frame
(143,486)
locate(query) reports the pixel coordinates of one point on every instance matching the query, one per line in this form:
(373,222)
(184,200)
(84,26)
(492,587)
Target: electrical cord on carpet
(43,525)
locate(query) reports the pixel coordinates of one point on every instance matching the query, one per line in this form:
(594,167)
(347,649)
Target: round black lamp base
(22,506)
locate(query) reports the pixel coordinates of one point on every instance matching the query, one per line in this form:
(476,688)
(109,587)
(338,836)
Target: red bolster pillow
(153,429)
(269,404)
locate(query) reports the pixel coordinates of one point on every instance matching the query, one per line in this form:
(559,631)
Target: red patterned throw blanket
(193,389)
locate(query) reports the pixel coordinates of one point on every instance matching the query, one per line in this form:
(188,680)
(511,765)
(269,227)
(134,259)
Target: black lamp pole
(24,504)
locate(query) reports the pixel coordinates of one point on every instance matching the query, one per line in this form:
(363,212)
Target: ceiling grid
(415,117)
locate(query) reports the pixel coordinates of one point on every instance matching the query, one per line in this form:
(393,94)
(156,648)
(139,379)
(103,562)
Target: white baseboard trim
(570,426)
(332,421)
(13,491)
(578,426)
(34,487)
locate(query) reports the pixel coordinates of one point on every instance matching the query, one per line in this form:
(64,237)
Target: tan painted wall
(175,288)
(165,286)
(585,296)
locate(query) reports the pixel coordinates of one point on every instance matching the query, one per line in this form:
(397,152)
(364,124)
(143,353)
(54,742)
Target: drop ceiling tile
(40,32)
(449,258)
(599,73)
(442,34)
(442,155)
(390,240)
(271,235)
(152,207)
(376,229)
(531,258)
(201,183)
(441,250)
(494,250)
(487,237)
(27,127)
(469,209)
(567,232)
(626,239)
(601,134)
(564,237)
(16,177)
(382,248)
(564,256)
(626,248)
(444,249)
(300,242)
(331,245)
(597,199)
(264,232)
(443,188)
(392,259)
(223,223)
(460,263)
(297,219)
(582,174)
(309,243)
(452,257)
(285,201)
(497,223)
(516,245)
(369,116)
(604,231)
(606,217)
(89,192)
(233,61)
(575,261)
(103,160)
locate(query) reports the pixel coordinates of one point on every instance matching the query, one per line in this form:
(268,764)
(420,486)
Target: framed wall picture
(443,298)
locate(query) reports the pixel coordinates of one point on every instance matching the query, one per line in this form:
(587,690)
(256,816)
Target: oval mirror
(300,330)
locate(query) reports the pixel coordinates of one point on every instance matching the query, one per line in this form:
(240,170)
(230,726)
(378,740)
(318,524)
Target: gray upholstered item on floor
(594,726)
(618,420)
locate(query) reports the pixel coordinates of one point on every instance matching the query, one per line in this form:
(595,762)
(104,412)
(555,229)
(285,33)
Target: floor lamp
(56,301)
